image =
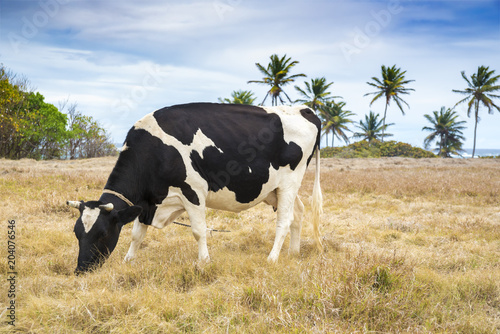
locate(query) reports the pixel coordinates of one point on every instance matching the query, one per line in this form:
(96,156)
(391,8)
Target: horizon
(122,60)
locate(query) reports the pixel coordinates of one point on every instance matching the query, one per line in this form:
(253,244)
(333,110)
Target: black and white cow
(186,158)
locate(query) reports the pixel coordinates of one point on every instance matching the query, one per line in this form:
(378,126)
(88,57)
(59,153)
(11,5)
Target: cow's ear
(128,215)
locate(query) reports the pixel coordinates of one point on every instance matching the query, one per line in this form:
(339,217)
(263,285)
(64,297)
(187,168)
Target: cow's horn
(108,207)
(74,204)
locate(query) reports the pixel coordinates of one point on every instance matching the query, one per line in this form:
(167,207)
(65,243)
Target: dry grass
(410,246)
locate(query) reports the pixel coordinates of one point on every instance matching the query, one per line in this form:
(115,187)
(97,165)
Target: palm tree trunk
(333,137)
(262,103)
(475,129)
(442,144)
(383,120)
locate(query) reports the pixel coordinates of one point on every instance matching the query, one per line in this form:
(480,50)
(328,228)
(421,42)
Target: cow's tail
(317,203)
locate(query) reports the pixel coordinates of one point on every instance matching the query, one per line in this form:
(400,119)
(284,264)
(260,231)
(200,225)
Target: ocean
(481,152)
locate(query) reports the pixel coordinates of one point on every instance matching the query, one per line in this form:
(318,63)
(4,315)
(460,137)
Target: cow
(185,158)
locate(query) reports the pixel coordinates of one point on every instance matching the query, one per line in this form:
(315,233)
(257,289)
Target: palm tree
(390,86)
(446,130)
(240,97)
(335,120)
(315,94)
(372,128)
(481,86)
(276,75)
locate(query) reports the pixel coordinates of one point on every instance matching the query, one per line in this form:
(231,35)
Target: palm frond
(277,75)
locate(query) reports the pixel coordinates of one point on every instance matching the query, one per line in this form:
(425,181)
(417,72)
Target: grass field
(411,246)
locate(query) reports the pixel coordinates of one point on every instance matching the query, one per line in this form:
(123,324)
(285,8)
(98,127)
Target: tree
(44,129)
(481,87)
(335,120)
(240,97)
(372,128)
(390,86)
(76,130)
(446,131)
(29,127)
(86,138)
(33,128)
(315,94)
(12,99)
(276,75)
(97,143)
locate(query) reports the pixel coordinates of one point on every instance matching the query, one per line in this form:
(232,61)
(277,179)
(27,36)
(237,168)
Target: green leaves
(316,93)
(391,86)
(240,97)
(481,87)
(372,128)
(335,119)
(447,130)
(86,137)
(276,75)
(29,127)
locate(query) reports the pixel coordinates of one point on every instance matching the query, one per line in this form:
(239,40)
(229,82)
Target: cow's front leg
(138,233)
(199,228)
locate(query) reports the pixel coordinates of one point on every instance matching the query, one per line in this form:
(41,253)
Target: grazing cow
(189,157)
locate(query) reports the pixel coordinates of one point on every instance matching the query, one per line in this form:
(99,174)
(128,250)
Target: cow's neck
(125,180)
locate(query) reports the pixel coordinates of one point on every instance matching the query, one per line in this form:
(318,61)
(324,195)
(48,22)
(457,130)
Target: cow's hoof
(272,259)
(128,258)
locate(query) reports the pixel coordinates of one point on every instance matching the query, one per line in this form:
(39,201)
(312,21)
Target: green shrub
(376,149)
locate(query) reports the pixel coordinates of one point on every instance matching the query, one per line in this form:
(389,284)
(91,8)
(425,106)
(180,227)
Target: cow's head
(98,229)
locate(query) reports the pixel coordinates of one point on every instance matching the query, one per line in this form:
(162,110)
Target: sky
(120,59)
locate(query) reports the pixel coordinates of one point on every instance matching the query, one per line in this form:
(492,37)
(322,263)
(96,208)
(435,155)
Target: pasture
(409,246)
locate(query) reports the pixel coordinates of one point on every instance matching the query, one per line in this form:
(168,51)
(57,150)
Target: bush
(376,149)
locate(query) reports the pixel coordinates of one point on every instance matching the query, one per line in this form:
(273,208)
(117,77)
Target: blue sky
(120,60)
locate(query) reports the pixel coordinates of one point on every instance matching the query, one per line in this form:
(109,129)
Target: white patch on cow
(124,147)
(287,110)
(200,142)
(249,169)
(89,217)
(171,208)
(295,127)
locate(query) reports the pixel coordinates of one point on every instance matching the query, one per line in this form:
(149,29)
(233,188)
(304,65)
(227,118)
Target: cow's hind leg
(138,233)
(286,200)
(199,228)
(296,226)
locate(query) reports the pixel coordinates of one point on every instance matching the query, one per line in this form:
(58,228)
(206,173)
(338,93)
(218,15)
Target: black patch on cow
(145,171)
(183,121)
(251,140)
(308,114)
